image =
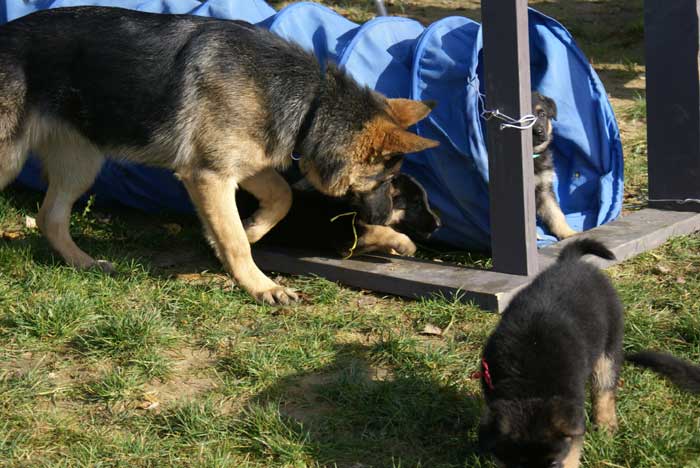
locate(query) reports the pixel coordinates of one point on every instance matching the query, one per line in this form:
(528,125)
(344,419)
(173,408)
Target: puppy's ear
(399,141)
(550,106)
(407,112)
(568,418)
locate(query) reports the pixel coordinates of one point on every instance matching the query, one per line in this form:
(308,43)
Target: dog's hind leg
(12,157)
(603,386)
(214,195)
(275,198)
(71,164)
(12,148)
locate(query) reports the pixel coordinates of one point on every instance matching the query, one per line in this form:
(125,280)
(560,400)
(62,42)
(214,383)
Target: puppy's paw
(607,423)
(403,246)
(277,295)
(565,233)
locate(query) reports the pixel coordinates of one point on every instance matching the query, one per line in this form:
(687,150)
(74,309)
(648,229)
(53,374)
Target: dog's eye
(541,114)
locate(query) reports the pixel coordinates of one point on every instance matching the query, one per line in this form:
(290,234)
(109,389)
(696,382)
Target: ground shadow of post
(359,414)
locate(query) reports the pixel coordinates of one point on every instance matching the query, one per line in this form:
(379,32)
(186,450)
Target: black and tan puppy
(221,103)
(383,220)
(548,210)
(561,332)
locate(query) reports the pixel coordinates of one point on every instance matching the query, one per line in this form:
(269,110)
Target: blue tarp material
(401,58)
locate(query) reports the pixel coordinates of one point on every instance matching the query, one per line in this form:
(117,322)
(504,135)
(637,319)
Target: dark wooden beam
(511,186)
(626,237)
(672,41)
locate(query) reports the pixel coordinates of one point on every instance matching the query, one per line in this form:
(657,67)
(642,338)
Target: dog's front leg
(275,198)
(214,195)
(573,458)
(375,238)
(548,210)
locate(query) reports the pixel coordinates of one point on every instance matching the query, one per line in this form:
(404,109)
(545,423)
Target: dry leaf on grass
(11,235)
(661,269)
(432,330)
(30,222)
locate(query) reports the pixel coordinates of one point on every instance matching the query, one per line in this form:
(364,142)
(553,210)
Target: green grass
(168,364)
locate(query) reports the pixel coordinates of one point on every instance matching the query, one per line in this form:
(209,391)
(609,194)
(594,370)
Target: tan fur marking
(385,239)
(604,410)
(397,216)
(550,212)
(603,393)
(572,459)
(275,198)
(603,373)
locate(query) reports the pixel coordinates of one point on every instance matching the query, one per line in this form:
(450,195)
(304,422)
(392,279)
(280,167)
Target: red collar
(485,374)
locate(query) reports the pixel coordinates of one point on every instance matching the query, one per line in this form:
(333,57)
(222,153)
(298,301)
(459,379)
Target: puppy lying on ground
(379,221)
(221,103)
(562,331)
(548,210)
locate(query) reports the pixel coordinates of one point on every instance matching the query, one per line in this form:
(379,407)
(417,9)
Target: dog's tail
(683,374)
(581,247)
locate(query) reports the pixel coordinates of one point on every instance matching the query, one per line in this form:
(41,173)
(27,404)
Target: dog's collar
(536,155)
(485,374)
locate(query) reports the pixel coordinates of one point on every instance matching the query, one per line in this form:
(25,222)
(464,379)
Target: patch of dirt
(191,376)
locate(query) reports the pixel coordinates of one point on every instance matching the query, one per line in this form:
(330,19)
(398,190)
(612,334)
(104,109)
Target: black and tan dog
(221,103)
(384,220)
(548,210)
(562,331)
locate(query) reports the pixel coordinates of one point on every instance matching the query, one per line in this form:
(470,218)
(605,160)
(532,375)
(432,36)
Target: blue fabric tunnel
(401,58)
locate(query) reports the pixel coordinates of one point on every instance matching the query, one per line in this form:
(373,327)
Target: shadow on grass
(356,414)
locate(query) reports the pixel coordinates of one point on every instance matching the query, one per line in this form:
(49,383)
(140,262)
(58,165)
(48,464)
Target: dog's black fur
(550,342)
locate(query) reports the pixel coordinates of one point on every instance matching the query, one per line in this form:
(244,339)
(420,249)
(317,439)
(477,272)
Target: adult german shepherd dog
(221,103)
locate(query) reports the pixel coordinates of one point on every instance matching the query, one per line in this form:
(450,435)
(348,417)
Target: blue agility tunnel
(401,58)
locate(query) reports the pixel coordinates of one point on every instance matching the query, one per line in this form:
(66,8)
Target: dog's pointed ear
(551,107)
(407,112)
(399,141)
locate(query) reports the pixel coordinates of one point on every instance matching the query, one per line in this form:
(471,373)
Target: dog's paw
(565,234)
(105,267)
(404,246)
(277,295)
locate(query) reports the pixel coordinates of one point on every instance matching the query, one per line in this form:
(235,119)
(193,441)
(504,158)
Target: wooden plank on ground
(626,237)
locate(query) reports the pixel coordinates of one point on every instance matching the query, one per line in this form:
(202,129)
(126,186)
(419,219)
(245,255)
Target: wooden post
(672,41)
(511,186)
